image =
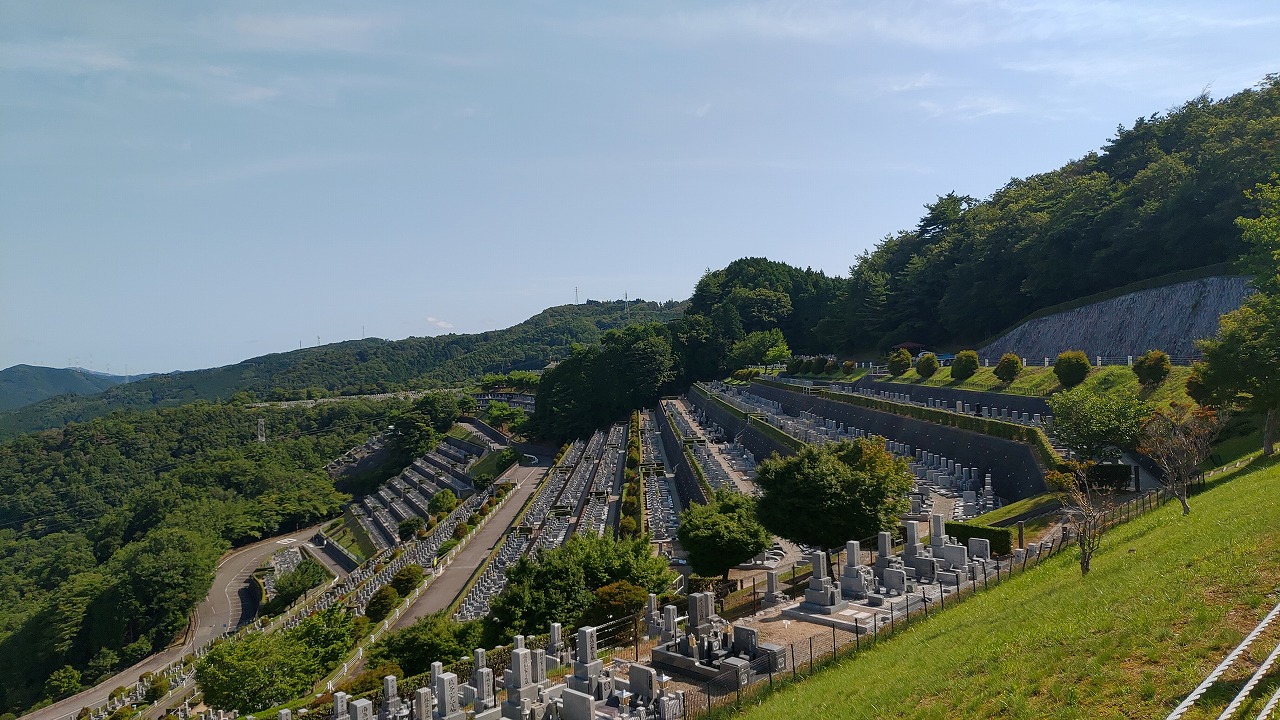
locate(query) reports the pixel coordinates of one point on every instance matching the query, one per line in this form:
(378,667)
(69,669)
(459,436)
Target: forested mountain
(358,366)
(25,384)
(110,530)
(1160,196)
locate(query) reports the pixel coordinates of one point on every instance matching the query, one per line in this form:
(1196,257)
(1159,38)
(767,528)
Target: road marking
(287,541)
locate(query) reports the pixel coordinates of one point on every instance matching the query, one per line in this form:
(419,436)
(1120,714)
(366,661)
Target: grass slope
(1168,598)
(1041,382)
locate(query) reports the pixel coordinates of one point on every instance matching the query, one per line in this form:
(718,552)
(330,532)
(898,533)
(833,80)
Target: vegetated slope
(1169,318)
(25,384)
(1160,197)
(1168,597)
(110,530)
(358,366)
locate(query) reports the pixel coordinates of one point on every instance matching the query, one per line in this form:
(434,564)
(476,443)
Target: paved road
(225,607)
(442,590)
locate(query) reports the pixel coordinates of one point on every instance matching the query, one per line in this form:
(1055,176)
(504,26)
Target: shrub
(157,690)
(446,546)
(627,527)
(461,531)
(383,602)
(795,365)
(1008,368)
(1071,367)
(927,365)
(848,367)
(899,362)
(965,365)
(408,578)
(830,367)
(1152,368)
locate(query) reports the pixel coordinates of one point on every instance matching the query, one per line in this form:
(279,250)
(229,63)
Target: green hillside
(25,384)
(1168,597)
(1160,197)
(358,366)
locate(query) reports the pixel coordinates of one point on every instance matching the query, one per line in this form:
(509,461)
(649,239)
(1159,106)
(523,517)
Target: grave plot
(959,407)
(956,488)
(605,481)
(494,578)
(659,500)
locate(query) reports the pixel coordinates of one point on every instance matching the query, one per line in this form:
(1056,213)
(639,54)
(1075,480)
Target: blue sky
(187,185)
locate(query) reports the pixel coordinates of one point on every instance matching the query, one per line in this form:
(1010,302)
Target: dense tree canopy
(825,496)
(1098,426)
(722,534)
(1241,362)
(559,585)
(110,530)
(1160,197)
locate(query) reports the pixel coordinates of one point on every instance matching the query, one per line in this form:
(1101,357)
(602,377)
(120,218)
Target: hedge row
(712,397)
(1001,537)
(1032,436)
(775,433)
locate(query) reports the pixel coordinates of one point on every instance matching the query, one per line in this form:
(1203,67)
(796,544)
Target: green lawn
(1044,502)
(491,464)
(1168,598)
(1040,382)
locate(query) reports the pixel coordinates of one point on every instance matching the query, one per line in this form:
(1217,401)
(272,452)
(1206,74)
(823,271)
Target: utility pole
(262,430)
(575,294)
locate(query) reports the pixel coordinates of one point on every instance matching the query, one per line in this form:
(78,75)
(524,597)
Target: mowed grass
(1169,596)
(1040,382)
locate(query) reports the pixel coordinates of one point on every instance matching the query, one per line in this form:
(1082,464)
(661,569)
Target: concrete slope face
(1170,318)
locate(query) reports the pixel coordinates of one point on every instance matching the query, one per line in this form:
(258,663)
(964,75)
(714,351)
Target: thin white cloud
(442,324)
(310,32)
(939,25)
(281,166)
(702,110)
(62,56)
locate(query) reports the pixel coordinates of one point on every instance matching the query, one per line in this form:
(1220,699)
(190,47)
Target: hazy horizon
(190,186)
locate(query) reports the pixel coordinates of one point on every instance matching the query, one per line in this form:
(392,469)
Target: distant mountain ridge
(356,366)
(26,384)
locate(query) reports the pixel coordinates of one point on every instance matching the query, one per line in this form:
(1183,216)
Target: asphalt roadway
(444,588)
(229,603)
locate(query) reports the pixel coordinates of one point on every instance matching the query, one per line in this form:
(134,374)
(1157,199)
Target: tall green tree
(722,534)
(1263,235)
(1098,426)
(825,496)
(1241,367)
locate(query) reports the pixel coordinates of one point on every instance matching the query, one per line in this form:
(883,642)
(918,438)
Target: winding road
(230,603)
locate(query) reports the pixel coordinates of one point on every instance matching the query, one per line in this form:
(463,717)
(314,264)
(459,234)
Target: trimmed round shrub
(848,367)
(1071,367)
(815,365)
(965,365)
(830,367)
(1008,368)
(899,362)
(927,366)
(795,365)
(1152,368)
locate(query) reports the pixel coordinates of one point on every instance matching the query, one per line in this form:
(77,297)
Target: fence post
(793,661)
(834,645)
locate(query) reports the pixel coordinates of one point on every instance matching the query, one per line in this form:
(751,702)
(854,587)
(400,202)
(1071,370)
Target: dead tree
(1088,506)
(1178,440)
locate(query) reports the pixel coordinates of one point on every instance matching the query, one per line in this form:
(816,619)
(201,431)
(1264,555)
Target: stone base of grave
(675,663)
(851,619)
(817,609)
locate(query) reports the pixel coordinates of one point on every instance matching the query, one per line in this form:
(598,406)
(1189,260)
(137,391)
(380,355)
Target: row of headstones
(943,562)
(529,693)
(961,407)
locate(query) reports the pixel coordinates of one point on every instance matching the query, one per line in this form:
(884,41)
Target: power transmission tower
(262,430)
